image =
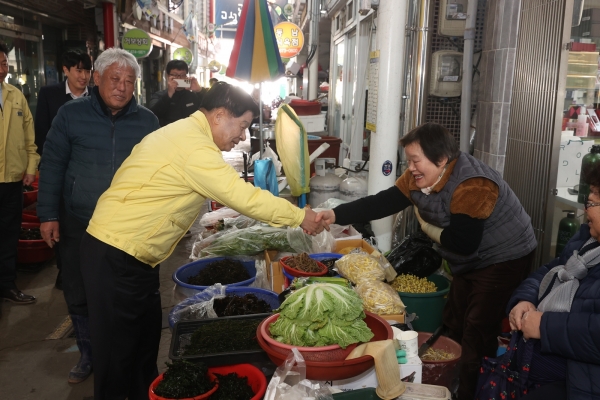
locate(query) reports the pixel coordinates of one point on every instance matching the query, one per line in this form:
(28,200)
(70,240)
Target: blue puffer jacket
(83,150)
(574,335)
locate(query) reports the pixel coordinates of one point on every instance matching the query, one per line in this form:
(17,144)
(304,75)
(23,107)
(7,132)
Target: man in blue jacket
(77,67)
(89,139)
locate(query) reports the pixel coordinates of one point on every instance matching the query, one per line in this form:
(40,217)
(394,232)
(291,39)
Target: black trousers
(476,306)
(11,207)
(125,320)
(71,232)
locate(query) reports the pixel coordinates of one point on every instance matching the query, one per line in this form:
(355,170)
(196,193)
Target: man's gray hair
(116,56)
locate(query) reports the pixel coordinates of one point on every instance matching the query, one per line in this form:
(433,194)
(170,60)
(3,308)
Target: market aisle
(32,367)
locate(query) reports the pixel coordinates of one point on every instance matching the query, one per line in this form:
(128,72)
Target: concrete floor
(33,367)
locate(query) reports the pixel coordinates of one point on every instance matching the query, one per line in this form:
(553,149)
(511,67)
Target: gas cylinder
(325,184)
(567,228)
(588,161)
(355,186)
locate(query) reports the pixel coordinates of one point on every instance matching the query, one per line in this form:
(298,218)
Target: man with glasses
(18,164)
(176,102)
(77,68)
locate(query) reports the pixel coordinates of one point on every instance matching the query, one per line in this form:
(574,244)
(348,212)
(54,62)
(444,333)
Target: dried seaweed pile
(223,337)
(235,305)
(302,262)
(232,387)
(184,379)
(224,271)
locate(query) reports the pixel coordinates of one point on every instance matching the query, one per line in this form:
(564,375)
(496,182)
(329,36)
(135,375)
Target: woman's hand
(530,324)
(516,314)
(327,216)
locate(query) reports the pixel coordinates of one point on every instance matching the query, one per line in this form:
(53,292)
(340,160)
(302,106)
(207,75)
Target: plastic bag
(331,204)
(270,153)
(379,298)
(240,222)
(324,242)
(264,176)
(212,218)
(358,267)
(415,255)
(199,306)
(289,382)
(261,281)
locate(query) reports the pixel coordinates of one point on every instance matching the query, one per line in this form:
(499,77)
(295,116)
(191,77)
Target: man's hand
(171,86)
(28,179)
(327,216)
(530,324)
(194,85)
(312,223)
(50,233)
(516,314)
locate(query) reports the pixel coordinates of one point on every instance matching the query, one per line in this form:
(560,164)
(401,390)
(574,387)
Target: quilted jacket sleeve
(57,150)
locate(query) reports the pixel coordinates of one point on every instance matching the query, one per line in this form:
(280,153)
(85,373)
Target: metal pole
(313,64)
(467,76)
(260,121)
(383,153)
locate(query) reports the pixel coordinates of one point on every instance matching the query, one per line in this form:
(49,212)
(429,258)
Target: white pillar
(313,65)
(467,79)
(391,22)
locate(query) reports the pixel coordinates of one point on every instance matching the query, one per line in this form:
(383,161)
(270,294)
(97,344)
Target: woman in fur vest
(480,226)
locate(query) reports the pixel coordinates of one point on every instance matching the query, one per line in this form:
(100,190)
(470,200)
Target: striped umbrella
(255,57)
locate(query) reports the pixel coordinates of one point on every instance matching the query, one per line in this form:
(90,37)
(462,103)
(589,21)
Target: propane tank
(567,228)
(356,185)
(588,162)
(325,184)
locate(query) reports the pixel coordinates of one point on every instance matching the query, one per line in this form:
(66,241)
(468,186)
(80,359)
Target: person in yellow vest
(18,164)
(153,200)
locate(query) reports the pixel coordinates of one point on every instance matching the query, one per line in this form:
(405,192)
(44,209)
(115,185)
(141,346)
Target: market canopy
(255,57)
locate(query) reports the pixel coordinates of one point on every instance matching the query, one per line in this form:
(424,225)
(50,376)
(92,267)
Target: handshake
(314,222)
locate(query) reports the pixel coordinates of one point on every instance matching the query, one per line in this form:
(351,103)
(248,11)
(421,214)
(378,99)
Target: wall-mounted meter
(453,16)
(446,73)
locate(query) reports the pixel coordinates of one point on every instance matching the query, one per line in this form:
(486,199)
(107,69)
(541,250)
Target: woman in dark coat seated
(559,304)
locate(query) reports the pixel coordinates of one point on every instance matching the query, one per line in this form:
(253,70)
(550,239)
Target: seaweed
(223,271)
(184,379)
(235,305)
(224,336)
(232,387)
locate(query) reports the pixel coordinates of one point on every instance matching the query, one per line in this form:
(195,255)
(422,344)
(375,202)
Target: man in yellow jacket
(18,164)
(153,200)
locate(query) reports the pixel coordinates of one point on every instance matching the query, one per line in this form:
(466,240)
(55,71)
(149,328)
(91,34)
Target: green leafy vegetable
(321,315)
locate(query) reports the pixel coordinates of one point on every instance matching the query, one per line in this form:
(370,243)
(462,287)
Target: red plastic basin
(297,273)
(33,251)
(159,378)
(305,107)
(256,379)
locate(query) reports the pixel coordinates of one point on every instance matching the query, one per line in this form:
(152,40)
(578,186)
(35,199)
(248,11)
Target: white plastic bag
(199,306)
(324,242)
(289,382)
(213,217)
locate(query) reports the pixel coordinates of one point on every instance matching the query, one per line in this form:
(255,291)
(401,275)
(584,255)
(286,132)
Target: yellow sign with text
(290,39)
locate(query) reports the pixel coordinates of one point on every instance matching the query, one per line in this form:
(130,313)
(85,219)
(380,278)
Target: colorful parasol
(255,57)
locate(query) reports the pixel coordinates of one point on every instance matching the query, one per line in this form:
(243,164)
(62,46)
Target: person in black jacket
(77,67)
(176,102)
(89,139)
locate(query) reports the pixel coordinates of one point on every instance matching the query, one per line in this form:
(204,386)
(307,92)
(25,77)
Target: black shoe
(17,297)
(58,283)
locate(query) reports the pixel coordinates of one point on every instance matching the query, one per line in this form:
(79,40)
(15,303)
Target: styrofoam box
(369,378)
(313,123)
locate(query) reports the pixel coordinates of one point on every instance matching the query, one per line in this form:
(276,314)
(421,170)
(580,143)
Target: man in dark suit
(77,68)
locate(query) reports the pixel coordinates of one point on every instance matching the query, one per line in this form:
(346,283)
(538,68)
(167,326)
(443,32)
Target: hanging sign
(290,39)
(137,42)
(184,54)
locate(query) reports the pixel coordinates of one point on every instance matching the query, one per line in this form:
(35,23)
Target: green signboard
(183,54)
(137,42)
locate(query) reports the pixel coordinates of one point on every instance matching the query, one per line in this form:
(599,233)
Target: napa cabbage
(321,315)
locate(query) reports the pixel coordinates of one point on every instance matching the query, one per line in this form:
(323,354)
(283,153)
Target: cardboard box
(342,243)
(398,318)
(275,272)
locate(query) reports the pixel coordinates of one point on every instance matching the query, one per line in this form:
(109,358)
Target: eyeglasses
(178,76)
(589,204)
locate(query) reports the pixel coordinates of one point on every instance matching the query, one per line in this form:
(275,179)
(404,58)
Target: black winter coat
(183,104)
(574,335)
(83,150)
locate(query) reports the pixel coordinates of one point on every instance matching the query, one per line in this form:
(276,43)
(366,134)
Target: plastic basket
(294,272)
(256,379)
(206,395)
(358,394)
(182,333)
(269,296)
(183,273)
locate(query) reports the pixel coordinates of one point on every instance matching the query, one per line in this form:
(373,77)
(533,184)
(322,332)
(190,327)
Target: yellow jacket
(17,138)
(158,191)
